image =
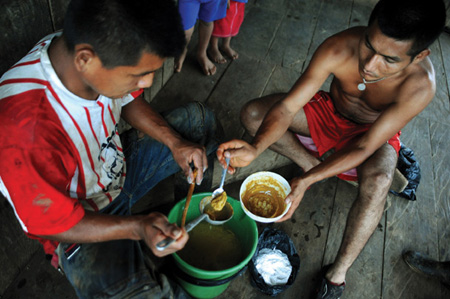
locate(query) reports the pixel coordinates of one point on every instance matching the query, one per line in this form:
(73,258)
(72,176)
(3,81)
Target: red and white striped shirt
(60,154)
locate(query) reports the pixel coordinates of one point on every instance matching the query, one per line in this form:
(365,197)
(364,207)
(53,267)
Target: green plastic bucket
(201,283)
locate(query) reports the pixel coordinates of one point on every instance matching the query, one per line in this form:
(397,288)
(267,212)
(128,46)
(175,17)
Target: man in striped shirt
(64,169)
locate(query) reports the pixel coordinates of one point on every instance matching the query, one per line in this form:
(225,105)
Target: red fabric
(39,165)
(230,25)
(330,130)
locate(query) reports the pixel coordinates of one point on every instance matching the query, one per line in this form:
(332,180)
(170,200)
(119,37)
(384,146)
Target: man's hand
(186,152)
(298,189)
(240,153)
(155,227)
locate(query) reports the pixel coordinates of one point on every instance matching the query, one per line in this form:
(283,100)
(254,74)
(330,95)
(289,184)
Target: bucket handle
(207,282)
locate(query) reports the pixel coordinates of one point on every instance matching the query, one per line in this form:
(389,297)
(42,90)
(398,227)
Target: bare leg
(214,51)
(204,34)
(252,115)
(375,178)
(226,48)
(180,60)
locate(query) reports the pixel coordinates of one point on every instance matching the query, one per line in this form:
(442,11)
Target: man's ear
(421,56)
(84,57)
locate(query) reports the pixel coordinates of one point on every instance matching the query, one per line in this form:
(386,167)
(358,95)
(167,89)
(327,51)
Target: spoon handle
(167,241)
(224,173)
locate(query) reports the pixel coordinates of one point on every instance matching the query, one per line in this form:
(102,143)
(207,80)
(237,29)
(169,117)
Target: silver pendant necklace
(362,86)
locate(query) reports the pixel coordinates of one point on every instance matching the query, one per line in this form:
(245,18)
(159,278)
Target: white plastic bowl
(282,186)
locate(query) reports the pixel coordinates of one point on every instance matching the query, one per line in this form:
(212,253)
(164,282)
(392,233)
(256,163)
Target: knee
(252,116)
(205,24)
(375,186)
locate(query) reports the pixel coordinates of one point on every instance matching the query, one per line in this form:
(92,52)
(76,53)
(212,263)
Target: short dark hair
(121,30)
(419,20)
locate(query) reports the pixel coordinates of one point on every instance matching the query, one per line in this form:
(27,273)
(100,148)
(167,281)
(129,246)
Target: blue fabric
(205,10)
(117,269)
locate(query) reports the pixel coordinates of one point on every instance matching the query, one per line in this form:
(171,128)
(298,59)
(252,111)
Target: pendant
(362,86)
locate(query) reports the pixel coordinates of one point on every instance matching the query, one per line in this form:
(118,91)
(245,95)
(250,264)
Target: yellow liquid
(212,248)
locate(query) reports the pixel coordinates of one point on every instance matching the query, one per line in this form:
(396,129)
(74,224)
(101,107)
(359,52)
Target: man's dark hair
(121,30)
(418,20)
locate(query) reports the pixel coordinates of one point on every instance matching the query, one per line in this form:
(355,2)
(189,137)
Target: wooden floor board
(440,137)
(439,108)
(361,12)
(332,17)
(444,43)
(296,30)
(243,81)
(281,80)
(257,32)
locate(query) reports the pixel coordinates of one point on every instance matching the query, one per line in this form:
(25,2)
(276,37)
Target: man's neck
(63,64)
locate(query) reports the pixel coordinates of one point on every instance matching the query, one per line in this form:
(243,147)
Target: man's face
(119,81)
(381,56)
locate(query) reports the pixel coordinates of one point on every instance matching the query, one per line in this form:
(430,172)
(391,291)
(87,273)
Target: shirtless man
(382,78)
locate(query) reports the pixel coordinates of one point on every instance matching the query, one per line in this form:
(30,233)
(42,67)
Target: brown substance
(264,197)
(219,202)
(212,247)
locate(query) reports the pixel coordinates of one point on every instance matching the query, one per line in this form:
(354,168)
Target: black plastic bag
(409,167)
(274,239)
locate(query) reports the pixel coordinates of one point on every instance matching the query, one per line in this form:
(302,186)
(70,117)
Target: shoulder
(342,46)
(419,84)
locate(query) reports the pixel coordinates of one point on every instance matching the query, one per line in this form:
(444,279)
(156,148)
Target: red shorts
(329,130)
(229,26)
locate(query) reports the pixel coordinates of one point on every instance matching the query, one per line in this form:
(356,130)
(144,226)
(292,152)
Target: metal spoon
(167,241)
(225,215)
(220,190)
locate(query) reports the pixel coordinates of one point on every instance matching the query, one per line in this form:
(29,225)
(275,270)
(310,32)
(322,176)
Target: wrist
(135,227)
(173,141)
(258,148)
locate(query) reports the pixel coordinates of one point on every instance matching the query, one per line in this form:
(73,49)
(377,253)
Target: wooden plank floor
(275,44)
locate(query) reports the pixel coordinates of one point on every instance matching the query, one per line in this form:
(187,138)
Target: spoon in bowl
(207,212)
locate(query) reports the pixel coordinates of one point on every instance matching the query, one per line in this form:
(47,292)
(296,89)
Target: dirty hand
(186,152)
(298,189)
(240,153)
(155,228)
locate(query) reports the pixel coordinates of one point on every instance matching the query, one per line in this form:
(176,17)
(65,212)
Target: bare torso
(366,106)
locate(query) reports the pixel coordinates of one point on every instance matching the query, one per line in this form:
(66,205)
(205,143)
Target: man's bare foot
(208,67)
(216,56)
(230,52)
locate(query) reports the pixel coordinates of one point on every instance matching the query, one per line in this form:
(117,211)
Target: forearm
(337,163)
(140,115)
(273,127)
(95,227)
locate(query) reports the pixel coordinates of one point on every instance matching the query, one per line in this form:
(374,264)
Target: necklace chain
(373,81)
(362,86)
